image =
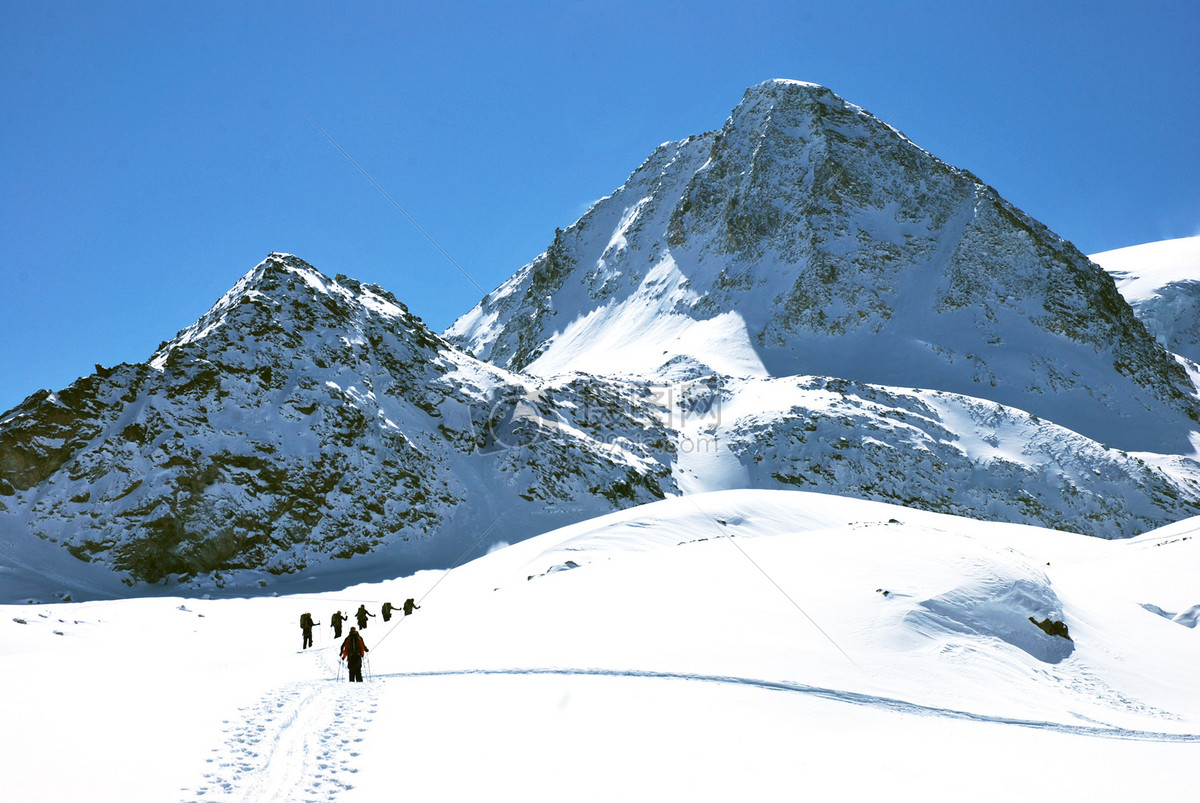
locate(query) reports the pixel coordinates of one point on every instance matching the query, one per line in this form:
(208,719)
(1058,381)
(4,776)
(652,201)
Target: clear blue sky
(152,153)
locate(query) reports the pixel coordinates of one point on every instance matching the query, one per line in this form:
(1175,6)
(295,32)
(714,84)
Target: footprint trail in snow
(299,742)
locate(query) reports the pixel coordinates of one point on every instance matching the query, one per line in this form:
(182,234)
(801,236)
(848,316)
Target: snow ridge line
(839,695)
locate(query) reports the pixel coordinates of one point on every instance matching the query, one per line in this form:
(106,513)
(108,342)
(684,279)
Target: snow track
(853,698)
(299,742)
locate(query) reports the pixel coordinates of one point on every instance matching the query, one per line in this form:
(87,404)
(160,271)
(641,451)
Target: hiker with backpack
(387,611)
(362,617)
(335,622)
(353,650)
(306,624)
(410,605)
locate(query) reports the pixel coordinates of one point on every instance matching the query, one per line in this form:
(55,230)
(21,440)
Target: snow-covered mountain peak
(781,91)
(806,236)
(284,296)
(791,82)
(301,420)
(784,95)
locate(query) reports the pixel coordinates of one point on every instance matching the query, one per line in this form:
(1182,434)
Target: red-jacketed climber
(353,650)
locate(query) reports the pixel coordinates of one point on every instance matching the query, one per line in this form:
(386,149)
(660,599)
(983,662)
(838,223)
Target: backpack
(306,620)
(354,647)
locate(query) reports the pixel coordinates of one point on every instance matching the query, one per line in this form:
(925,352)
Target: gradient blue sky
(152,153)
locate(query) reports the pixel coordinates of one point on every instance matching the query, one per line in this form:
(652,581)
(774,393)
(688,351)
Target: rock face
(808,237)
(941,452)
(303,419)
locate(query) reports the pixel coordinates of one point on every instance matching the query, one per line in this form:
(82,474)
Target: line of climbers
(353,647)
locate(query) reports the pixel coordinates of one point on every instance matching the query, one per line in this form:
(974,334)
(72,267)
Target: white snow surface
(1161,282)
(729,645)
(1141,271)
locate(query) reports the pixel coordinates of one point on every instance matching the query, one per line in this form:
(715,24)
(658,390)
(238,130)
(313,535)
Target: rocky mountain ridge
(304,419)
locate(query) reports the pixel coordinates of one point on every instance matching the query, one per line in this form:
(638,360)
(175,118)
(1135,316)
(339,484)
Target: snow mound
(1001,604)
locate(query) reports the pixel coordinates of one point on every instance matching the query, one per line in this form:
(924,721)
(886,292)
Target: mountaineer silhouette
(353,650)
(306,625)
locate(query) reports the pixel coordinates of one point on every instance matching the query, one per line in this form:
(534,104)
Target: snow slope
(1161,281)
(936,451)
(1141,271)
(737,644)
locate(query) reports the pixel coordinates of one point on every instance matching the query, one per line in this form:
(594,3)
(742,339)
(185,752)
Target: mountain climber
(336,622)
(353,650)
(362,617)
(410,605)
(306,624)
(387,611)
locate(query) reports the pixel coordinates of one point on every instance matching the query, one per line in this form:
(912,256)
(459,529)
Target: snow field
(550,737)
(645,655)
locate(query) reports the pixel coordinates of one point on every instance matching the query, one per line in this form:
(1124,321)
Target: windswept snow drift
(753,644)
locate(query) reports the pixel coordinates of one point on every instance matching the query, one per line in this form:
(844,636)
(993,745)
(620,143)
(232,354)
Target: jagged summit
(788,82)
(286,296)
(779,92)
(807,236)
